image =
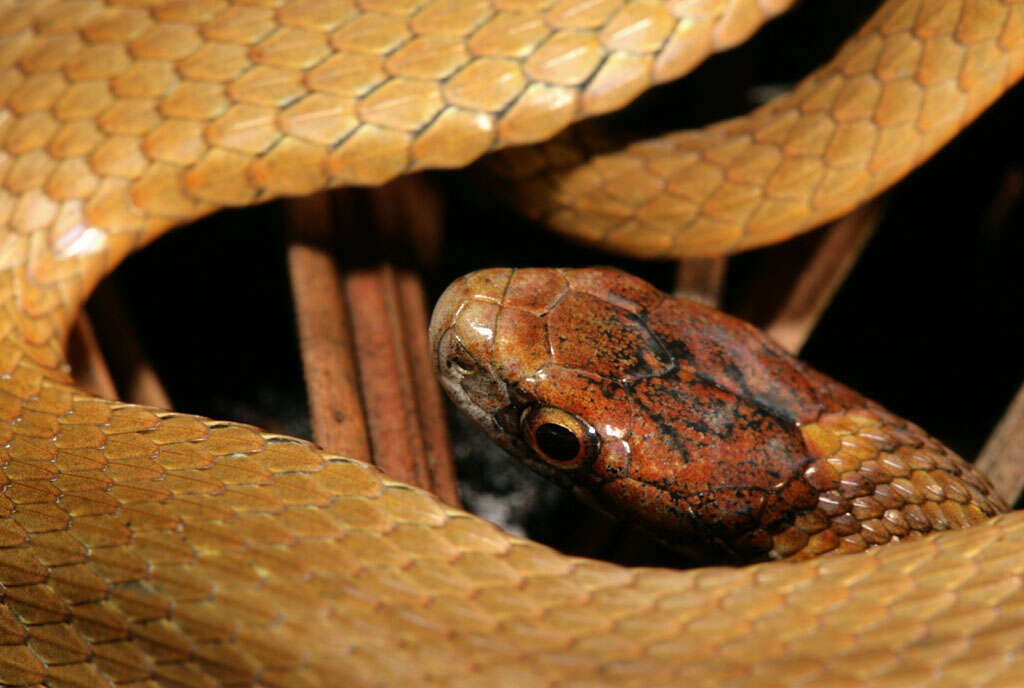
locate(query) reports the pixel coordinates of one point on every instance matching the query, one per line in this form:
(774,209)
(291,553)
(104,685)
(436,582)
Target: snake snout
(482,285)
(462,343)
(470,306)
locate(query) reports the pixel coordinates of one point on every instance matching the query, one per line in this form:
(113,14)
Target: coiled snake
(140,546)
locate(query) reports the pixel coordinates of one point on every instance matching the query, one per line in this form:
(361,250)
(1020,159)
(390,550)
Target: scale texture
(140,547)
(915,75)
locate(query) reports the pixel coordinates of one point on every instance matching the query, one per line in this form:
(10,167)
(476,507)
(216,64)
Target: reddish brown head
(678,417)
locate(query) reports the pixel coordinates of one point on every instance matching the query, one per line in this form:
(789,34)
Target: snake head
(586,376)
(660,411)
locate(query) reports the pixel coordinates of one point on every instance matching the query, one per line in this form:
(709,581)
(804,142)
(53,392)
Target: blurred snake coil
(141,547)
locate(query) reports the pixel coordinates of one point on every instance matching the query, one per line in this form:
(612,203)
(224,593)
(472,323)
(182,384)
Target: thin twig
(701,280)
(407,214)
(135,375)
(332,383)
(820,279)
(1002,457)
(87,362)
(362,327)
(385,377)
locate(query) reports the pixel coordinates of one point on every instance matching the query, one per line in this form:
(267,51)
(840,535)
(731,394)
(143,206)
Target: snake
(140,546)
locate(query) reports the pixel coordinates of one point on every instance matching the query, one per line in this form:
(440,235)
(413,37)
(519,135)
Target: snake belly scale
(143,547)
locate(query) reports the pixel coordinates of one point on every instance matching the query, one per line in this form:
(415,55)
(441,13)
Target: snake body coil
(141,547)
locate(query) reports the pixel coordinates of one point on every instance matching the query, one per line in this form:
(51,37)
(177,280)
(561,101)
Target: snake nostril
(461,364)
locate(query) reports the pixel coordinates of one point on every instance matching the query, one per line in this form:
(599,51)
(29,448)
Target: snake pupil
(557,442)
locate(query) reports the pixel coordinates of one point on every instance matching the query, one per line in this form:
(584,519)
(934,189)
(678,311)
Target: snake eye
(560,438)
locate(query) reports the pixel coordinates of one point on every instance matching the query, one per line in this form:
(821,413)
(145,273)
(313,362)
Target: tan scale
(881,479)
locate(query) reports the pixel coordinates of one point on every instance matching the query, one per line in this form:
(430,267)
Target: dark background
(928,323)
